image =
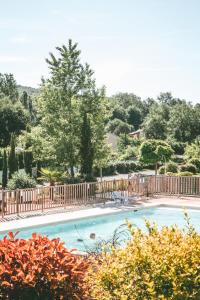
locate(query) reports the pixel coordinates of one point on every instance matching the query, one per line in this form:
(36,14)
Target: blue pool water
(103,226)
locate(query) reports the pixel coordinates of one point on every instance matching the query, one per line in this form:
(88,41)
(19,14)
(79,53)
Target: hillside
(30,90)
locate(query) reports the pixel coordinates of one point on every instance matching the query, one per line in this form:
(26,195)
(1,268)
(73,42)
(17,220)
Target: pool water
(76,234)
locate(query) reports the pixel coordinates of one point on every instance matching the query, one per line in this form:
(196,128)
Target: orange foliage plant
(39,268)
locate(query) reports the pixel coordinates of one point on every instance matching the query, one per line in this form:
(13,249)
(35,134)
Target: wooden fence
(70,195)
(165,185)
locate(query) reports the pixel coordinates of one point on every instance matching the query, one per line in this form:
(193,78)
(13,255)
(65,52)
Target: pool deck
(15,223)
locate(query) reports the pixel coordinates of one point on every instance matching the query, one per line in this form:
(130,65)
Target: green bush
(121,167)
(171,174)
(20,180)
(188,168)
(186,173)
(155,264)
(171,167)
(161,170)
(195,162)
(178,147)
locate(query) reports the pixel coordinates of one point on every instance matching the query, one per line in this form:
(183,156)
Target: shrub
(155,264)
(195,162)
(171,174)
(161,170)
(178,147)
(188,168)
(20,180)
(186,173)
(171,167)
(39,268)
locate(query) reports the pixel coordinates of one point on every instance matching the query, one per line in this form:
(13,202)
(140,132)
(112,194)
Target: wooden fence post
(64,196)
(17,200)
(2,203)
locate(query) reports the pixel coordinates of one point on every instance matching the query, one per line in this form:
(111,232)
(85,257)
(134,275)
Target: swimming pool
(76,234)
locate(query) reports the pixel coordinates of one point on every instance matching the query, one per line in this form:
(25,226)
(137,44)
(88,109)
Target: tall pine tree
(12,159)
(5,170)
(86,148)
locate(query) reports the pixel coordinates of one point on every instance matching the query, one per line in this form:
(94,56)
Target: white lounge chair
(117,196)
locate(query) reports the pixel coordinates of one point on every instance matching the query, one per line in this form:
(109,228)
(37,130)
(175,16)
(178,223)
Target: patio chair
(115,196)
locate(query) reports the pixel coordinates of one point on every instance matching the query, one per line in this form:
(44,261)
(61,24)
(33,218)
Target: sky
(138,46)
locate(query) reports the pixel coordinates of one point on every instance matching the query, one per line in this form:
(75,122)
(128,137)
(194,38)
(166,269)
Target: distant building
(137,134)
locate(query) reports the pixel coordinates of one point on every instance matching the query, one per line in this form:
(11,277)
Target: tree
(155,127)
(38,142)
(154,151)
(28,160)
(184,123)
(86,148)
(119,127)
(193,150)
(134,117)
(119,113)
(68,92)
(8,87)
(5,169)
(13,119)
(24,100)
(12,160)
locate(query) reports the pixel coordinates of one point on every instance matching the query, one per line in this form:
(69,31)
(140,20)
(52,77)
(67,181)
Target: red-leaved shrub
(39,268)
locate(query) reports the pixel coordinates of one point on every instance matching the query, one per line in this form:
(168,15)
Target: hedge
(121,167)
(188,168)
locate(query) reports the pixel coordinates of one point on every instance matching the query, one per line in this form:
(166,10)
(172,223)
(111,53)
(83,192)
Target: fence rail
(70,195)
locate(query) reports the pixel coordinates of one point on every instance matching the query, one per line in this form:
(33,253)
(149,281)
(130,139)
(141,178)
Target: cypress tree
(28,161)
(5,170)
(86,148)
(12,160)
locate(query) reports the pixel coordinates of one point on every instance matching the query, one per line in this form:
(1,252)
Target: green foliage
(8,87)
(188,168)
(155,127)
(5,169)
(154,264)
(118,127)
(40,144)
(184,123)
(192,150)
(178,147)
(13,119)
(195,162)
(28,159)
(129,153)
(134,117)
(185,173)
(121,167)
(65,97)
(12,159)
(50,176)
(161,170)
(20,180)
(86,149)
(154,151)
(20,158)
(171,167)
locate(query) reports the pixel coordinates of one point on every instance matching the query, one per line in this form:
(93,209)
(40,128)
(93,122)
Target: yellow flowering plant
(154,264)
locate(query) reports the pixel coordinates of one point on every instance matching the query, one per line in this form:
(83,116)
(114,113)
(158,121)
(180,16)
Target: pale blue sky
(140,46)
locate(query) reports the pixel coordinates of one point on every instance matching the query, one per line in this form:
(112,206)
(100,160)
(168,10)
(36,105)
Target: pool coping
(68,217)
